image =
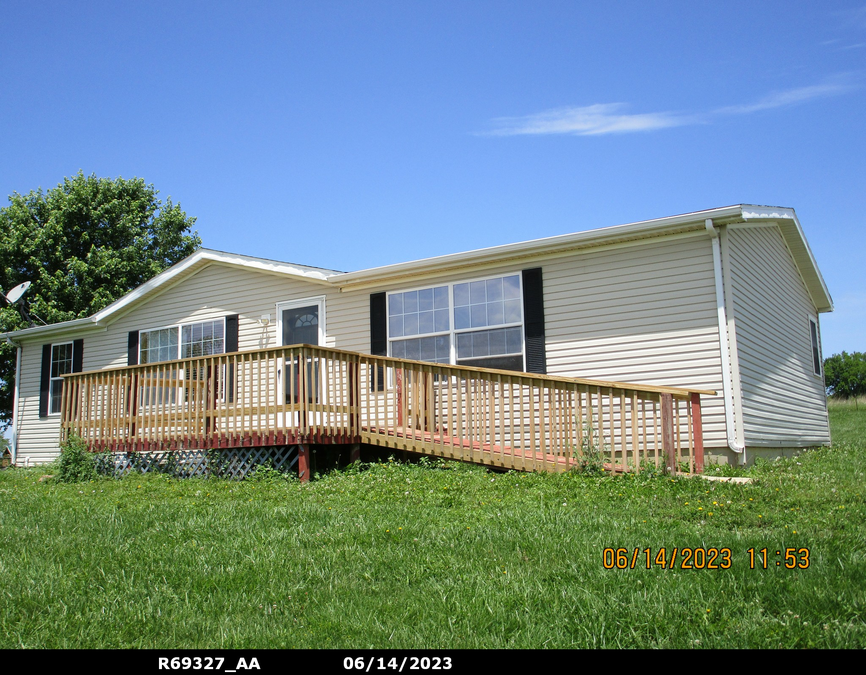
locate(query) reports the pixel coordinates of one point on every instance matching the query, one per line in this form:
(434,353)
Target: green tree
(83,245)
(845,374)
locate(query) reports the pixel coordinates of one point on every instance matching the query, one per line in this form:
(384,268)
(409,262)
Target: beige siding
(783,400)
(214,292)
(642,313)
(37,436)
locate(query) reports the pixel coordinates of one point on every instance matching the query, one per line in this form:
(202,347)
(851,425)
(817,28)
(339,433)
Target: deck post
(355,453)
(304,463)
(398,380)
(668,433)
(354,400)
(698,431)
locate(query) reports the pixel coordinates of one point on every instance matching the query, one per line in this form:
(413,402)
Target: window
(816,347)
(424,312)
(484,329)
(483,304)
(61,364)
(182,342)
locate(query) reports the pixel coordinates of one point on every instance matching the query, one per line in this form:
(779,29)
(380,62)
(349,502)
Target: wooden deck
(301,395)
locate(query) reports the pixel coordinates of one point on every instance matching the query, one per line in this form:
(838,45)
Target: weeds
(590,458)
(76,463)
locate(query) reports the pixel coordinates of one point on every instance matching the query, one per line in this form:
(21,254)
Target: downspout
(15,400)
(727,384)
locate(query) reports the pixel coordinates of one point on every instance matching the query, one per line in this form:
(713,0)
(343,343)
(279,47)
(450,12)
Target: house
(724,302)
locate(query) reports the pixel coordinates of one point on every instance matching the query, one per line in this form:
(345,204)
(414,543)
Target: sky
(349,135)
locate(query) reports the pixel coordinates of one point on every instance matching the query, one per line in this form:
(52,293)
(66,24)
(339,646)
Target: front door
(300,325)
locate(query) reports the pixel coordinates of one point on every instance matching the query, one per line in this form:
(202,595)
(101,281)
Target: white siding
(784,403)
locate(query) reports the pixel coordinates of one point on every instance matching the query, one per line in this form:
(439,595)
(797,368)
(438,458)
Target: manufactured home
(676,337)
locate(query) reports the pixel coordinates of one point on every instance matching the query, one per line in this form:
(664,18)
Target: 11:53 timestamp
(790,558)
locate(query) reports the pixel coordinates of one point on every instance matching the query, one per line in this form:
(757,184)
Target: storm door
(300,325)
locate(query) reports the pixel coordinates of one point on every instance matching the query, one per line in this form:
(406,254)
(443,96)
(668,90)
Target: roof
(784,217)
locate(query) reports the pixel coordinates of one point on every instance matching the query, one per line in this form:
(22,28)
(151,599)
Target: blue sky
(355,134)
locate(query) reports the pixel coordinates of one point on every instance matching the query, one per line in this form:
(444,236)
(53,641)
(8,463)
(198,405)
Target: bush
(845,374)
(77,463)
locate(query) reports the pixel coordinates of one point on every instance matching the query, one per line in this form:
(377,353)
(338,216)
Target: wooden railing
(304,394)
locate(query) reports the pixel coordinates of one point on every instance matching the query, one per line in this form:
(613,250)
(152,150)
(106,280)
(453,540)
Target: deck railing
(304,394)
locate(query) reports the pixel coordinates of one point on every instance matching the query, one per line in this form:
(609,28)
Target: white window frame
(453,332)
(293,304)
(319,301)
(52,379)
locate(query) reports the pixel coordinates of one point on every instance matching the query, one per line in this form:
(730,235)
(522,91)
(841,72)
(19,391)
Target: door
(301,325)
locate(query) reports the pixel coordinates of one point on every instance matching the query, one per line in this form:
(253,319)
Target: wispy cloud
(612,118)
(778,99)
(592,120)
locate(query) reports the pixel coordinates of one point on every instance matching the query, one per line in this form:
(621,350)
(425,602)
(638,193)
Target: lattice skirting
(233,463)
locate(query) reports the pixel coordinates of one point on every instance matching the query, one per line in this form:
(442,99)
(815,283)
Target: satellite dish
(15,294)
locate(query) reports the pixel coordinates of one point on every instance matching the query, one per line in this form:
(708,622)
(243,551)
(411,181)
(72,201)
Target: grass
(436,555)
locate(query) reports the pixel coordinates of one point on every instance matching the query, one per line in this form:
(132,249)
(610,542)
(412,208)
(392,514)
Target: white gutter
(15,398)
(727,384)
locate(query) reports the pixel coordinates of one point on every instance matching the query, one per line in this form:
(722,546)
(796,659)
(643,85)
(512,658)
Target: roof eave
(74,325)
(792,231)
(537,247)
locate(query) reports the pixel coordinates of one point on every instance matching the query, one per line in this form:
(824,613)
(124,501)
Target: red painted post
(698,431)
(668,433)
(354,400)
(398,379)
(304,463)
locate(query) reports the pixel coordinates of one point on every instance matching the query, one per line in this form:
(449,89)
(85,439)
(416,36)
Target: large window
(182,342)
(475,323)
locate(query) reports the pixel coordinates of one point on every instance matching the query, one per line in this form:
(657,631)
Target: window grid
(61,364)
(495,302)
(203,338)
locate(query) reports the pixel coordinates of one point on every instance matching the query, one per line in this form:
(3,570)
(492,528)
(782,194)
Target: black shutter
(132,348)
(77,356)
(232,333)
(378,325)
(378,334)
(45,381)
(231,346)
(533,321)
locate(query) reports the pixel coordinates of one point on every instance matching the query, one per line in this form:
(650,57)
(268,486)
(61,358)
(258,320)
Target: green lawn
(438,556)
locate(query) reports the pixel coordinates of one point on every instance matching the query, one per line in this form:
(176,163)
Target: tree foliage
(845,374)
(83,245)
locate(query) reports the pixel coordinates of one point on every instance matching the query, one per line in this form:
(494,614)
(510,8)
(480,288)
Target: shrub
(77,463)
